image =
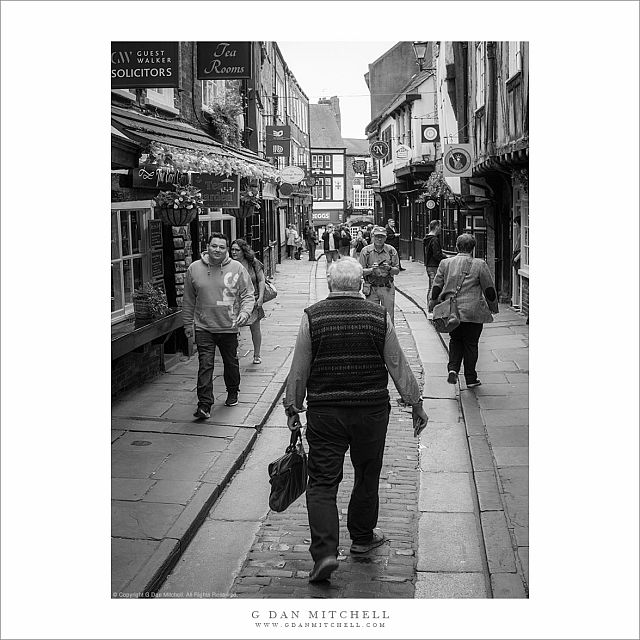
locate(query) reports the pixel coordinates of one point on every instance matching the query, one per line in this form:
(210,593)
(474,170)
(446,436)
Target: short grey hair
(345,275)
(466,243)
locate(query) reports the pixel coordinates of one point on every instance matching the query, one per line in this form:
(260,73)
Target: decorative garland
(184,160)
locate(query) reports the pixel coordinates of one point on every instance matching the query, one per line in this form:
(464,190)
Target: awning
(178,139)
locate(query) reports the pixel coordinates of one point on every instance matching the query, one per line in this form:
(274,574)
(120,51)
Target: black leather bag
(288,475)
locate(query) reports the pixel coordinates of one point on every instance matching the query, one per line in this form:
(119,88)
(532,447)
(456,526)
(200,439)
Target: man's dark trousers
(464,346)
(330,432)
(228,345)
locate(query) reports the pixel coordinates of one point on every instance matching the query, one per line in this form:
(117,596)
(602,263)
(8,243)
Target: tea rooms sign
(224,60)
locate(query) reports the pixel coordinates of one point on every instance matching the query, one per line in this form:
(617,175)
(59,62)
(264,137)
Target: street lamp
(420,52)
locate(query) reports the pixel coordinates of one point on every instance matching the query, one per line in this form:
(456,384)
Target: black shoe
(323,569)
(232,399)
(202,413)
(402,268)
(377,539)
(453,377)
(471,385)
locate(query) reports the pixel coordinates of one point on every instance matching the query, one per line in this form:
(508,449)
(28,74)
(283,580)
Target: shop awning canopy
(189,149)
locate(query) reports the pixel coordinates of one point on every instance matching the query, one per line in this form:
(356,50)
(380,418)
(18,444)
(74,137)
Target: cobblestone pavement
(278,563)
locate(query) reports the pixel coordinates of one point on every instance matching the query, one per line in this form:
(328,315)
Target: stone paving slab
(508,436)
(127,559)
(449,542)
(500,556)
(451,585)
(443,447)
(511,456)
(171,492)
(142,521)
(503,402)
(169,443)
(507,585)
(446,492)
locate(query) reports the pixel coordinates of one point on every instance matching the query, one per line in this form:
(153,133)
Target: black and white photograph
(318,415)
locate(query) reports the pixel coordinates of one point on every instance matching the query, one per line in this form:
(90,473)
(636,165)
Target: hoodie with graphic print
(214,295)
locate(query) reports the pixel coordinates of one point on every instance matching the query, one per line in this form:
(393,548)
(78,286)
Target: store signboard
(457,160)
(278,133)
(144,64)
(430,132)
(218,191)
(157,265)
(151,176)
(155,234)
(292,174)
(223,60)
(278,148)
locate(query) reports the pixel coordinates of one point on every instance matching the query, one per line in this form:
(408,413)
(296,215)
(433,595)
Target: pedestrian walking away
(331,244)
(380,262)
(345,350)
(219,299)
(292,236)
(476,301)
(433,255)
(245,255)
(298,248)
(393,239)
(312,241)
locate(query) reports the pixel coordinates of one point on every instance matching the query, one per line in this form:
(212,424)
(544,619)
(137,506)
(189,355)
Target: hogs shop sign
(224,60)
(144,64)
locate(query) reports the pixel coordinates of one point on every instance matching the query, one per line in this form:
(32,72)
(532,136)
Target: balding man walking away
(345,350)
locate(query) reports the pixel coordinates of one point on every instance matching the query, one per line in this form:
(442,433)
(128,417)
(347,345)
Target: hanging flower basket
(177,217)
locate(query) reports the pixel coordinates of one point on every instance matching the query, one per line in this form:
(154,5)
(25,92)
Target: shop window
(449,229)
(130,255)
(214,220)
(362,198)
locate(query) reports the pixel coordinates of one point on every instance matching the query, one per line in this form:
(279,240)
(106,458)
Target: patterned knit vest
(347,353)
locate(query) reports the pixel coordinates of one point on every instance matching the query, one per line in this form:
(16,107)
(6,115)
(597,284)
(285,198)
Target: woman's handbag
(288,475)
(446,317)
(270,291)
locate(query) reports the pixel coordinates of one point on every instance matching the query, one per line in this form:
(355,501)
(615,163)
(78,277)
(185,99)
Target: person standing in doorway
(292,236)
(393,239)
(433,255)
(345,350)
(331,242)
(218,299)
(380,263)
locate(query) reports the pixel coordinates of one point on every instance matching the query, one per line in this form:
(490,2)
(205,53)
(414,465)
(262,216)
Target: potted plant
(179,207)
(149,302)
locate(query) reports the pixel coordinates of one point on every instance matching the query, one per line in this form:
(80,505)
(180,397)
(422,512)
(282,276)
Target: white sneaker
(429,316)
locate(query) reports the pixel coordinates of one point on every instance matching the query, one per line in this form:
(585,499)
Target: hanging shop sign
(152,176)
(309,181)
(269,191)
(278,148)
(430,204)
(144,64)
(224,60)
(218,191)
(403,152)
(370,180)
(292,174)
(457,160)
(278,133)
(359,166)
(285,189)
(430,132)
(379,149)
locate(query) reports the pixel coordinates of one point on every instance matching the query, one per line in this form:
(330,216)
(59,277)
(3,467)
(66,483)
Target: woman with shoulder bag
(245,255)
(467,280)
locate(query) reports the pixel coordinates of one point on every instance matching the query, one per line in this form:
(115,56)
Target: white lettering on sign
(321,215)
(278,148)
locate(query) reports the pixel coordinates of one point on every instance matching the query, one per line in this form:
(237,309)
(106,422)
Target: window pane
(116,286)
(124,234)
(115,243)
(137,273)
(127,274)
(327,162)
(136,232)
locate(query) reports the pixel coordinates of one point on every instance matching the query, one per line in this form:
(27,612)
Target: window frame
(386,135)
(146,207)
(162,100)
(514,59)
(480,69)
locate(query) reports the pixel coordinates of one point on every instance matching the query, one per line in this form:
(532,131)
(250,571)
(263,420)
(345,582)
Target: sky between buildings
(325,69)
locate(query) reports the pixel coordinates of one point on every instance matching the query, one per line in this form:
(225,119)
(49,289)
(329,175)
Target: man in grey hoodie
(218,298)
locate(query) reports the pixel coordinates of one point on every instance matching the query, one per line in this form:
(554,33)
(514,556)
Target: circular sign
(309,182)
(430,133)
(379,149)
(285,189)
(457,159)
(431,204)
(292,174)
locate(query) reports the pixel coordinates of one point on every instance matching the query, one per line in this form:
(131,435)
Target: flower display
(182,198)
(250,197)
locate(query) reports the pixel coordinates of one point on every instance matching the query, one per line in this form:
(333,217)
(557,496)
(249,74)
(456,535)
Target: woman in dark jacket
(331,243)
(476,301)
(345,241)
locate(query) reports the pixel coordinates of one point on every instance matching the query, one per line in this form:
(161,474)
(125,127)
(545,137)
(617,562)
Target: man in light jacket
(219,299)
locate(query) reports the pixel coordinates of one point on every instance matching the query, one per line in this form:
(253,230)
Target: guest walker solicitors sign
(144,64)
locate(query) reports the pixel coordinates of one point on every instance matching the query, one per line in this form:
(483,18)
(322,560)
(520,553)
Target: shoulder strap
(464,276)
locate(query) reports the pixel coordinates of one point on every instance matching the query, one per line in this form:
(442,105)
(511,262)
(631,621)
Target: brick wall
(133,369)
(525,296)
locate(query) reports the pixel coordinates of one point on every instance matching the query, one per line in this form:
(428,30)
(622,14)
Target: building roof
(324,128)
(356,146)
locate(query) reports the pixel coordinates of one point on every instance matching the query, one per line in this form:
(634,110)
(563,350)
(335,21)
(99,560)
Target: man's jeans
(228,345)
(431,274)
(330,432)
(464,346)
(385,296)
(311,246)
(331,256)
